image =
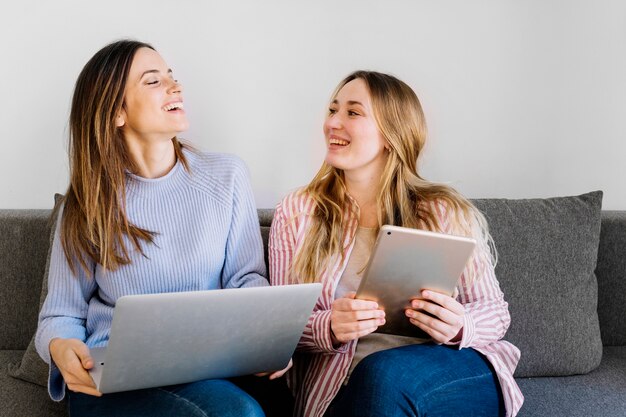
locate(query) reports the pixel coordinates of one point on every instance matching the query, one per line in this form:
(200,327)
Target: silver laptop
(174,338)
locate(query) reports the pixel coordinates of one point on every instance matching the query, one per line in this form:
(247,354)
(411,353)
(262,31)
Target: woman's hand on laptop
(351,318)
(277,374)
(444,321)
(72,358)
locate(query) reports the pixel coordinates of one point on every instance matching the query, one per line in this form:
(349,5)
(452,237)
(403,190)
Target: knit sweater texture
(207,237)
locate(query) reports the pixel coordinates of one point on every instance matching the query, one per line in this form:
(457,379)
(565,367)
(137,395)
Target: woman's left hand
(277,374)
(445,322)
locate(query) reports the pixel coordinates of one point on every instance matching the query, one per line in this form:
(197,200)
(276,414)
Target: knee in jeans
(376,370)
(245,406)
(252,409)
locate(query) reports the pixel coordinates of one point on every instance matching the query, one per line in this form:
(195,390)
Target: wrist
(333,338)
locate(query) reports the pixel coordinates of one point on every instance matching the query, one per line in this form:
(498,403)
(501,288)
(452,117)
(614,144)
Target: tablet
(404,262)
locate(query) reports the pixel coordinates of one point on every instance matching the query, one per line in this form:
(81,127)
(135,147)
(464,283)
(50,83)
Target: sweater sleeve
(316,337)
(64,310)
(244,265)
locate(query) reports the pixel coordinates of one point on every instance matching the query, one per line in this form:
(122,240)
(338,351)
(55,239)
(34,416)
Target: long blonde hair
(405,198)
(94,219)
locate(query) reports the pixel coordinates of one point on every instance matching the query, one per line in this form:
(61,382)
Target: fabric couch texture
(24,242)
(547,252)
(23,247)
(611,274)
(31,368)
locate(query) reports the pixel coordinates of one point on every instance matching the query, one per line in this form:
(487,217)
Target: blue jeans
(207,398)
(421,380)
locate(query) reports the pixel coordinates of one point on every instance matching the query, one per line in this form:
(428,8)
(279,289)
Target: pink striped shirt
(320,368)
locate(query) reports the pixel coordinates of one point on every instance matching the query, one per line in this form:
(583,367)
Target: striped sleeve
(316,336)
(487,315)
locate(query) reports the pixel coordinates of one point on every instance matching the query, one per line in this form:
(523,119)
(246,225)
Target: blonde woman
(375,131)
(143,214)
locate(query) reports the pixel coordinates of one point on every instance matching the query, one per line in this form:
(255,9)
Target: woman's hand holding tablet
(439,315)
(351,319)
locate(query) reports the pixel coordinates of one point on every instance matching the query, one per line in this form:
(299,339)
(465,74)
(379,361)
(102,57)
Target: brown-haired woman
(142,214)
(375,131)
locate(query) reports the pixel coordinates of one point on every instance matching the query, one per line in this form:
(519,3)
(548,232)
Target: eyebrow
(153,71)
(350,102)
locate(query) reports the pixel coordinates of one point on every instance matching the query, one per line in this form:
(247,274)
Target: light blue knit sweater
(207,237)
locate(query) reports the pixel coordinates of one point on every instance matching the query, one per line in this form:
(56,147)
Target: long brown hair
(94,219)
(404,198)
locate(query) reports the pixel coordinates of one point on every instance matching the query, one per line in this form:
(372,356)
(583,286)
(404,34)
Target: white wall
(523,98)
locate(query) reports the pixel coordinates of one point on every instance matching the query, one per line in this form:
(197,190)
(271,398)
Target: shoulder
(295,210)
(221,177)
(457,218)
(213,168)
(440,208)
(298,202)
(214,164)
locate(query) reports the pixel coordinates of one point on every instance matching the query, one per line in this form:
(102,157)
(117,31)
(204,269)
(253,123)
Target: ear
(120,120)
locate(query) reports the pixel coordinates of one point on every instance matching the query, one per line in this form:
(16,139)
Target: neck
(152,159)
(364,189)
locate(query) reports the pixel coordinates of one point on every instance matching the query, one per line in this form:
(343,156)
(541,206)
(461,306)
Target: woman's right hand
(351,318)
(72,358)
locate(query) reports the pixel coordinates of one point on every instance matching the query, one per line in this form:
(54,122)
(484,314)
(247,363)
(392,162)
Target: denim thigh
(207,398)
(421,380)
(274,396)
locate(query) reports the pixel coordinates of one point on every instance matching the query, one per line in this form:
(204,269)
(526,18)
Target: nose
(333,121)
(175,87)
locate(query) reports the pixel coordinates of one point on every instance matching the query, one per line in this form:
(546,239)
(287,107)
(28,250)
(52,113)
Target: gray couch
(572,334)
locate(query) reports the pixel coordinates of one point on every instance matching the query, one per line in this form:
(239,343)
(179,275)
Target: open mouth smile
(339,142)
(336,141)
(173,106)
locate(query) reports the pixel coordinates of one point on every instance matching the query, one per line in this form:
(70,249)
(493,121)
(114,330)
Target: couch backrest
(265,219)
(24,241)
(611,273)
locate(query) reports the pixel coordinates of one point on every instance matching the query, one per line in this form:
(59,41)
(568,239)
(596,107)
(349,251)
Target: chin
(180,129)
(335,162)
(183,125)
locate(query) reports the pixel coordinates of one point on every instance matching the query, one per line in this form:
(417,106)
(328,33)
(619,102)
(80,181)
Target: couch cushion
(265,220)
(19,398)
(23,247)
(31,367)
(597,394)
(547,252)
(611,272)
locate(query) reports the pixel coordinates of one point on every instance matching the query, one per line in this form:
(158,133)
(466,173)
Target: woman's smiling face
(153,101)
(354,142)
